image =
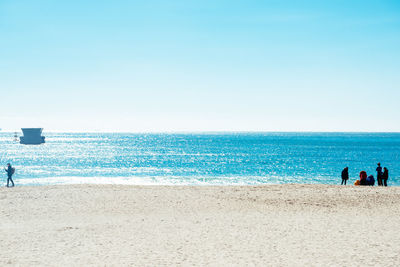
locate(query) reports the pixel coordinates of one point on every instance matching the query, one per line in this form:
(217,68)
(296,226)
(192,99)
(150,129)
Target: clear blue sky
(200,65)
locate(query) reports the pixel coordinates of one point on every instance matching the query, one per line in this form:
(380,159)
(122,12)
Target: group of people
(381,176)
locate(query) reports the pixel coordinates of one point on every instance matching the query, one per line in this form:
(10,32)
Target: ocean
(200,159)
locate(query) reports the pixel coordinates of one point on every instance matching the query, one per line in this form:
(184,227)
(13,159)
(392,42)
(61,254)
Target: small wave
(149,180)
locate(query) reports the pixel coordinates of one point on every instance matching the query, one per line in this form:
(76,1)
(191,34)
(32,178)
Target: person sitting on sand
(10,171)
(363,178)
(385,176)
(379,174)
(345,175)
(370,180)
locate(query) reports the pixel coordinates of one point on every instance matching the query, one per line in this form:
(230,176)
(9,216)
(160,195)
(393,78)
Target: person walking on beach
(385,176)
(379,174)
(345,175)
(10,171)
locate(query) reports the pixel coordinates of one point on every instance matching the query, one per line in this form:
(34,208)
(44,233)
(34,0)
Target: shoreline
(111,182)
(289,224)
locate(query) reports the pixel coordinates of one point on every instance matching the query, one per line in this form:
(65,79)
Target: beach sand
(204,225)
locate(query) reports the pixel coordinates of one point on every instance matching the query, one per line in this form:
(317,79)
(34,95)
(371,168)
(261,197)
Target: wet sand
(287,225)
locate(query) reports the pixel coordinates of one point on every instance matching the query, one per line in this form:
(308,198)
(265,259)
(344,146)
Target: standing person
(10,171)
(345,175)
(385,176)
(379,174)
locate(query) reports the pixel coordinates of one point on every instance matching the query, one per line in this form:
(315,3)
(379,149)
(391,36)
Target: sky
(177,66)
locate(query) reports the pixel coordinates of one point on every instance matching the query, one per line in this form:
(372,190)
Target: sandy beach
(185,225)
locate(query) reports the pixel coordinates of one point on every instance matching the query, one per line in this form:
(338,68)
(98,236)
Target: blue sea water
(200,159)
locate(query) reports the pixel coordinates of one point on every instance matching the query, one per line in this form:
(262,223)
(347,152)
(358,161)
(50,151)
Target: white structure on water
(32,136)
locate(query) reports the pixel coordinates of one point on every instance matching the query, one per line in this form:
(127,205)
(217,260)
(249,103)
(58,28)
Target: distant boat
(32,136)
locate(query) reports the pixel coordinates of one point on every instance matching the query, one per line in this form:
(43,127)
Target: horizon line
(198,132)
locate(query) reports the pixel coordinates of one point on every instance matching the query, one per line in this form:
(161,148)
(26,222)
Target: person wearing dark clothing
(345,175)
(379,174)
(370,180)
(363,178)
(10,171)
(385,176)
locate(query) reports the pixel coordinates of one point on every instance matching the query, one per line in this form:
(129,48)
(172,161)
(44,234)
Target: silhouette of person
(385,176)
(370,180)
(345,175)
(10,172)
(379,174)
(363,178)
